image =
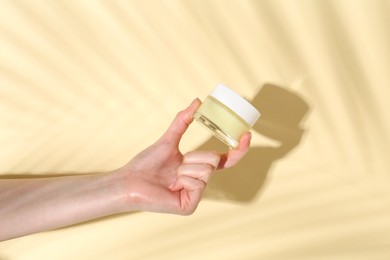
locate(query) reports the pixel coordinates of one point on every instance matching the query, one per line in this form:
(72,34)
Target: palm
(156,169)
(162,179)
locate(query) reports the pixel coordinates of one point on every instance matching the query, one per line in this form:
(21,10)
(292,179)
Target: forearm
(32,205)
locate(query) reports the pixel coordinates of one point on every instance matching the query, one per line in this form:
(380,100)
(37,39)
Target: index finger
(232,157)
(181,122)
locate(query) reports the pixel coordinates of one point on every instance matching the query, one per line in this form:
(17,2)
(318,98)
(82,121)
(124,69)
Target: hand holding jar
(159,179)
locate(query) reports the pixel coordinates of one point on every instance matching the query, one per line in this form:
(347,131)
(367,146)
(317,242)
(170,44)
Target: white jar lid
(236,103)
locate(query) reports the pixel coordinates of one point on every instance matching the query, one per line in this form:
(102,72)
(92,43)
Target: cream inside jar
(227,115)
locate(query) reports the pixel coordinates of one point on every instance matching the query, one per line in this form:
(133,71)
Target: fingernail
(197,100)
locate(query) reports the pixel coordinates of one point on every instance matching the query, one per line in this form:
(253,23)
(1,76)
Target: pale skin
(159,179)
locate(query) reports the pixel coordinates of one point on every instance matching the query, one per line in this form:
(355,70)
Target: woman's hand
(162,179)
(159,179)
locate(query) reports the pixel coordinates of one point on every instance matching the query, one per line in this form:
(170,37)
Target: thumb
(181,122)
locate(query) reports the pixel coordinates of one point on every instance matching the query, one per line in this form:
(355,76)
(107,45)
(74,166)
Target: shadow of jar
(282,113)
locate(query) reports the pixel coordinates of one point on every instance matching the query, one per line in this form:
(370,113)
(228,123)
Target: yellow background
(85,85)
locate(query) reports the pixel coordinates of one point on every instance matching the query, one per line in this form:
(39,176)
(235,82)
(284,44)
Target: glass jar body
(223,122)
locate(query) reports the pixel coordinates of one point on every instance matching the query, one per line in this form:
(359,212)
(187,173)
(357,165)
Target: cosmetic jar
(227,115)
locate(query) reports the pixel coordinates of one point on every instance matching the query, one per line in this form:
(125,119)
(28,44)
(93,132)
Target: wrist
(105,192)
(126,197)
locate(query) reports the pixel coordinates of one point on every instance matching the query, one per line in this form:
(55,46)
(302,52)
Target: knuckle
(180,114)
(214,158)
(200,185)
(205,173)
(189,210)
(210,157)
(208,168)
